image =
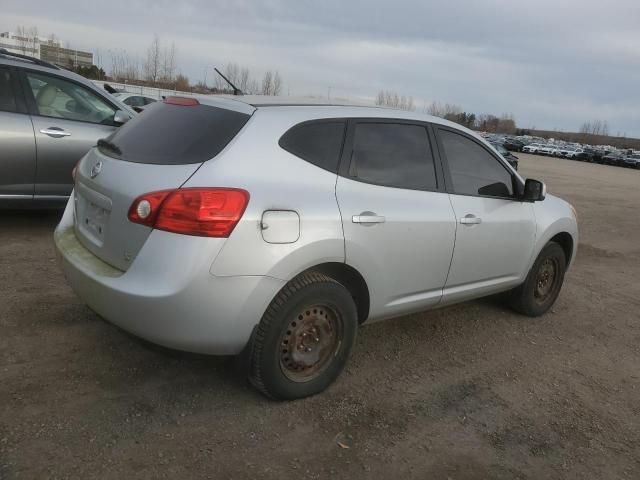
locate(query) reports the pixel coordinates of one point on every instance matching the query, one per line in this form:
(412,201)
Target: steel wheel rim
(546,279)
(309,342)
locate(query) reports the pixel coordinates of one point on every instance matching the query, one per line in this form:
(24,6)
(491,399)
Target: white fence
(148,91)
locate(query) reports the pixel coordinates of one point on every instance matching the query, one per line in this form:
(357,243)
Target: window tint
(7,98)
(174,134)
(319,143)
(474,171)
(63,99)
(148,100)
(391,154)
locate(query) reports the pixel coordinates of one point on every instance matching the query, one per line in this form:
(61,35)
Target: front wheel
(304,338)
(542,286)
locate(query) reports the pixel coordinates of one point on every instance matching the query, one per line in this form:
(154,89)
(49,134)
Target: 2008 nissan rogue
(273,230)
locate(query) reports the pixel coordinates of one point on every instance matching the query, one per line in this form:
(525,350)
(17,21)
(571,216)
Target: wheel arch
(565,240)
(352,280)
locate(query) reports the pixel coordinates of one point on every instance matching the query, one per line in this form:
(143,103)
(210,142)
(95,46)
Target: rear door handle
(470,219)
(367,218)
(55,132)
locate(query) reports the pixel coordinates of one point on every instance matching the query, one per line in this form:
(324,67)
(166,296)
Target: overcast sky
(552,63)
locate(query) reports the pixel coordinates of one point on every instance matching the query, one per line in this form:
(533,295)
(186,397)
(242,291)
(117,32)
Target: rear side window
(174,134)
(474,171)
(7,98)
(318,142)
(394,155)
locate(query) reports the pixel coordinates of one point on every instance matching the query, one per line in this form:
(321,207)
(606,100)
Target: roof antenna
(236,90)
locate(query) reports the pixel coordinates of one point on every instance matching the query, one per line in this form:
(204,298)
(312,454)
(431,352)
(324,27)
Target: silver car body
(207,294)
(39,151)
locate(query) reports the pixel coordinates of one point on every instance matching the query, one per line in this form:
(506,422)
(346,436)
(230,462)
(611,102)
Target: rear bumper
(168,296)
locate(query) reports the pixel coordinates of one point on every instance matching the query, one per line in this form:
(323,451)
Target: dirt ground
(471,391)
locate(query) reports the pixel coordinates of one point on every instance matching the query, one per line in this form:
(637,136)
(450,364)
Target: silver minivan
(273,229)
(49,118)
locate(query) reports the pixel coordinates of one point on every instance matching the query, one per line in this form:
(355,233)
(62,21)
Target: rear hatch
(157,150)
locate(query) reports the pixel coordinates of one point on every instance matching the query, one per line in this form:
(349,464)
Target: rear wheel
(543,283)
(304,338)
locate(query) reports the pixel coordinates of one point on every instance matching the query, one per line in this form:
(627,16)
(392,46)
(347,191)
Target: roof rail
(37,61)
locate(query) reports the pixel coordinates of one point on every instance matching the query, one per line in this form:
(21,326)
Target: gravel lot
(471,391)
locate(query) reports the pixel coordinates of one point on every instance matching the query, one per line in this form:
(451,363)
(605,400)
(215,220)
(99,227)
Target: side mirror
(534,190)
(120,118)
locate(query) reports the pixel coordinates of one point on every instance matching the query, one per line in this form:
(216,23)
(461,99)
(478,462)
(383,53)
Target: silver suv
(49,118)
(240,226)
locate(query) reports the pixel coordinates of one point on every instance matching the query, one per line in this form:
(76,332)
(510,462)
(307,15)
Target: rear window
(174,134)
(318,142)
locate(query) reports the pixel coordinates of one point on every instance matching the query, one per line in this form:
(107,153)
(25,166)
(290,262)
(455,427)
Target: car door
(68,119)
(398,223)
(18,148)
(495,231)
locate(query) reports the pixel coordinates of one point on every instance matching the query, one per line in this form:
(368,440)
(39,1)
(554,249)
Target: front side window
(474,171)
(7,97)
(60,98)
(394,155)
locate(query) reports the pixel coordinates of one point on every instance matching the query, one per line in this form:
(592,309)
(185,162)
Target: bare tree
(253,86)
(22,39)
(386,98)
(595,127)
(152,65)
(443,110)
(267,83)
(123,66)
(243,81)
(33,41)
(168,63)
(277,84)
(232,72)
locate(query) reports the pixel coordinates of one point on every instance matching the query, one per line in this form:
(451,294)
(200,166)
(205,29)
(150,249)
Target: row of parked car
(573,151)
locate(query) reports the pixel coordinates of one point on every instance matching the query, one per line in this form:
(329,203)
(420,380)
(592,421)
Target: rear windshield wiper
(104,144)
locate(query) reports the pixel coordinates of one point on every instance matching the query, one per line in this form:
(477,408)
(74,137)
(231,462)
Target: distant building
(45,49)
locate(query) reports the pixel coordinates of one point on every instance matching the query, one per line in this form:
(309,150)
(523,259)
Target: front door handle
(55,132)
(470,219)
(367,218)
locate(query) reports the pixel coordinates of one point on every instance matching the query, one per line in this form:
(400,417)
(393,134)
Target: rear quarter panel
(275,180)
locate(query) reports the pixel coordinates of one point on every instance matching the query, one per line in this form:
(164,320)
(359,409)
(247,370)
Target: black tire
(304,338)
(536,295)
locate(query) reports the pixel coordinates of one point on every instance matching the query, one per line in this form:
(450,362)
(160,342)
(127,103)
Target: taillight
(207,212)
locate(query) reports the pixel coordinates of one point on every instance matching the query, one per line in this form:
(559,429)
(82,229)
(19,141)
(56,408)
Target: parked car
(273,229)
(632,161)
(513,145)
(136,101)
(582,154)
(49,118)
(547,149)
(532,148)
(567,151)
(614,158)
(506,154)
(599,154)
